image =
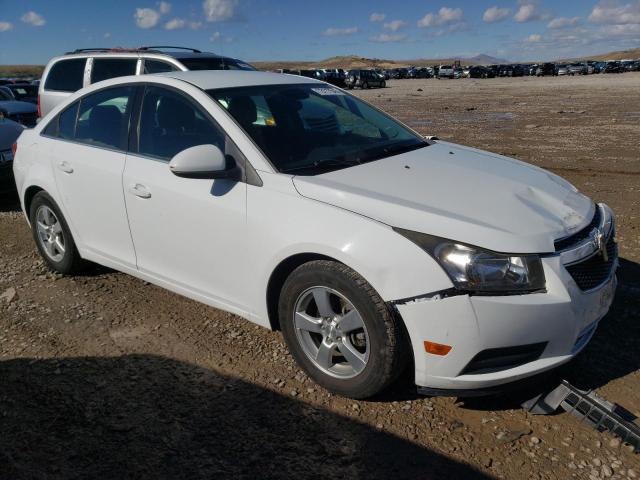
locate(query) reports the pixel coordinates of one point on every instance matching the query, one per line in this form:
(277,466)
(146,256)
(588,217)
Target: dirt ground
(106,376)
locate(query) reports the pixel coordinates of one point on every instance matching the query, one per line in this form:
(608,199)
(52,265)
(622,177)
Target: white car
(367,245)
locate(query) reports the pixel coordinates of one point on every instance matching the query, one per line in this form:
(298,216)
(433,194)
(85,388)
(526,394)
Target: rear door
(104,68)
(88,161)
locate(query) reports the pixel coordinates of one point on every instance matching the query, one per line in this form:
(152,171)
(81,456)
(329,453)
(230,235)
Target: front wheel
(383,84)
(339,330)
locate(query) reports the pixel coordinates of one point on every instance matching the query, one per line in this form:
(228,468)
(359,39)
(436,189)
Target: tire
(60,254)
(379,344)
(383,84)
(365,85)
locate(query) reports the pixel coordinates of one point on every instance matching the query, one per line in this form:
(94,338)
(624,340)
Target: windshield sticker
(327,91)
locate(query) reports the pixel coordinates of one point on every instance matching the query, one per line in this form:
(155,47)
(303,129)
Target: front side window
(103,118)
(170,123)
(106,68)
(66,75)
(312,129)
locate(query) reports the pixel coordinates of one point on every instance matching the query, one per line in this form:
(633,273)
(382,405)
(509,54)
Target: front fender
(283,224)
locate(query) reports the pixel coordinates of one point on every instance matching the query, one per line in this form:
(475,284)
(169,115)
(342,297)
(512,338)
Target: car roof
(215,79)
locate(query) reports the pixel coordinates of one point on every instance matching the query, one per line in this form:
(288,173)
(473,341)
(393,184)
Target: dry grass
(34,71)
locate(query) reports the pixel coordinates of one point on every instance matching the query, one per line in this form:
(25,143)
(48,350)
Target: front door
(189,233)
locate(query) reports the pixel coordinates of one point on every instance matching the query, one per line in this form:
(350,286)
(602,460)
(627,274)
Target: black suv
(364,79)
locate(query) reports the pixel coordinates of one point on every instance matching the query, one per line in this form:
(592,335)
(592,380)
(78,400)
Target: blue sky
(32,31)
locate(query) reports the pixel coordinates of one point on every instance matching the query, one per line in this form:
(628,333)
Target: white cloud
(528,12)
(34,19)
(164,7)
(394,25)
(385,37)
(377,17)
(107,35)
(146,17)
(333,32)
(533,38)
(444,16)
(6,26)
(612,12)
(623,30)
(219,10)
(215,36)
(175,24)
(563,22)
(178,23)
(495,14)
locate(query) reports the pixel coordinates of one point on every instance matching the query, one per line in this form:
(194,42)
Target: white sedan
(301,208)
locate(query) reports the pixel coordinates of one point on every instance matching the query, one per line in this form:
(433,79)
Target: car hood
(459,193)
(12,107)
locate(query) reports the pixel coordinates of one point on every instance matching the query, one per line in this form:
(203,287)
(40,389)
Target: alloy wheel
(331,332)
(50,233)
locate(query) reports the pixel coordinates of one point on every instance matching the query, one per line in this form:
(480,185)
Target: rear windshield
(66,75)
(24,91)
(214,63)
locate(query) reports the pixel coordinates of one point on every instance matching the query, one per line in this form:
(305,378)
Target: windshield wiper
(320,164)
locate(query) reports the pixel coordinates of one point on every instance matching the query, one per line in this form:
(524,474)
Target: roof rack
(159,47)
(101,49)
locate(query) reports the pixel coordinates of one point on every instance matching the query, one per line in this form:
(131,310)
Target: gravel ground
(106,376)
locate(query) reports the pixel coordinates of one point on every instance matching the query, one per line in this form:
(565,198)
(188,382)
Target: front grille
(571,240)
(595,270)
(26,119)
(498,359)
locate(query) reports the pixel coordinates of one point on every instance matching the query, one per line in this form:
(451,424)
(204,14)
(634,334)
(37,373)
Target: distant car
(364,79)
(24,92)
(546,69)
(446,71)
(562,70)
(21,112)
(70,72)
(480,72)
(312,73)
(578,69)
(613,67)
(9,133)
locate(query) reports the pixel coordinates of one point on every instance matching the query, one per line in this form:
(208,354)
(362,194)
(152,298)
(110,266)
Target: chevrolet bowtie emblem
(597,238)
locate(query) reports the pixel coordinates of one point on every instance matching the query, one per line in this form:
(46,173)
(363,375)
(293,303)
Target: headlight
(474,269)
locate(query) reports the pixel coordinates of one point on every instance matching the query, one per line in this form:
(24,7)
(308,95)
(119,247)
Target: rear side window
(103,119)
(214,63)
(157,66)
(64,124)
(66,75)
(106,68)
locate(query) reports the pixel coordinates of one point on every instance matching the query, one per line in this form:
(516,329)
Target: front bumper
(559,322)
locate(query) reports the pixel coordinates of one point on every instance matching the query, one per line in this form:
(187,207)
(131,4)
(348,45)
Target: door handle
(139,190)
(65,167)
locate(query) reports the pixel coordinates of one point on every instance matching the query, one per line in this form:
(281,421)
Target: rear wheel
(52,236)
(340,331)
(365,85)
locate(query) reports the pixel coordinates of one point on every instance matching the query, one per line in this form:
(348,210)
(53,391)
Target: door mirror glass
(203,161)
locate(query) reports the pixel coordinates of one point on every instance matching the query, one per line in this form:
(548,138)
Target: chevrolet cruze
(301,208)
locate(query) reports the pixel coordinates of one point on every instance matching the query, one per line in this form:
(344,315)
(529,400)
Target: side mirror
(204,161)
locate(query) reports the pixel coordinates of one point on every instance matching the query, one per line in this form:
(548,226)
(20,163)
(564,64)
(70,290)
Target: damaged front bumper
(497,340)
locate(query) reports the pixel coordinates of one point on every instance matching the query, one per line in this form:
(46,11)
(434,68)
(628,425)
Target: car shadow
(143,416)
(612,353)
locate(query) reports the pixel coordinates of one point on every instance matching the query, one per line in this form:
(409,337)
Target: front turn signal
(436,348)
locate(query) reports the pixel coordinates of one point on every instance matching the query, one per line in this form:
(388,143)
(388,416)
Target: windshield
(214,63)
(312,129)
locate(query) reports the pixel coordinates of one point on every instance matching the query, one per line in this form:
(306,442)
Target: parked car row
(339,77)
